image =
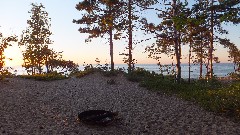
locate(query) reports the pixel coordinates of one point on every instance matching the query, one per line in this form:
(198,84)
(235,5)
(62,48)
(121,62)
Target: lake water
(219,69)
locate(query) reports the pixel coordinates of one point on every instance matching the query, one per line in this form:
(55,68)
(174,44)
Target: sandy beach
(51,108)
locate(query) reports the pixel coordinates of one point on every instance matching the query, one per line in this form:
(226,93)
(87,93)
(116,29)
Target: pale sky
(14,15)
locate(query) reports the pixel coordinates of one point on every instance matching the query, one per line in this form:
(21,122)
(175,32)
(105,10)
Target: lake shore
(40,107)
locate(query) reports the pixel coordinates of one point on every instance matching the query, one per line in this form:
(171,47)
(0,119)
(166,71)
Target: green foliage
(224,99)
(88,69)
(45,77)
(138,75)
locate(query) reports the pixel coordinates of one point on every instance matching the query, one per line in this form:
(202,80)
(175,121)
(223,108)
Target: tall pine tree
(99,18)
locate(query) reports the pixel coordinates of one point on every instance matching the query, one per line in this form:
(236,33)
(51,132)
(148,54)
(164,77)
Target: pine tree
(101,17)
(133,7)
(169,32)
(215,14)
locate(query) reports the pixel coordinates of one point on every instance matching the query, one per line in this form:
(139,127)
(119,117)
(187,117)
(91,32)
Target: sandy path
(37,107)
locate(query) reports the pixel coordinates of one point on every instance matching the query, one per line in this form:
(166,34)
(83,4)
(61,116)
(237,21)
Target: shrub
(4,73)
(138,75)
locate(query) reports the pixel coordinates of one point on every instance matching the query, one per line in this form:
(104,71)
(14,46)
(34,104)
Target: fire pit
(97,117)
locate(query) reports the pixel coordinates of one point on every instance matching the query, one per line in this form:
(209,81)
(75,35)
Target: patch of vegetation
(45,77)
(224,100)
(138,75)
(80,74)
(111,73)
(5,74)
(213,95)
(89,69)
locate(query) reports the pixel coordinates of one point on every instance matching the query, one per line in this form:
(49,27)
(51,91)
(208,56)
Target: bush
(226,100)
(138,75)
(5,74)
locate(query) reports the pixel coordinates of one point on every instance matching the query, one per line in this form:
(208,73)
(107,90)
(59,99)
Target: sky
(14,15)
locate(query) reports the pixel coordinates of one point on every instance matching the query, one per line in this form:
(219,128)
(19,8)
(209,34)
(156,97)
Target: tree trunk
(47,65)
(189,62)
(177,46)
(211,44)
(201,61)
(130,36)
(1,60)
(178,58)
(111,49)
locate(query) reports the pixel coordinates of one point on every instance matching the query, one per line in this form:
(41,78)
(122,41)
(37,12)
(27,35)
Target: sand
(51,108)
